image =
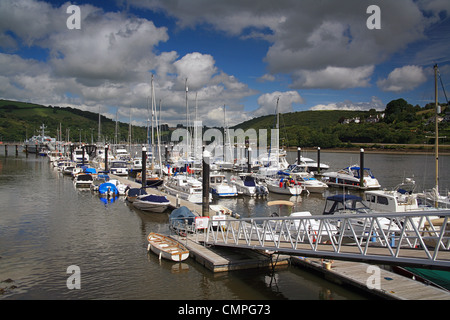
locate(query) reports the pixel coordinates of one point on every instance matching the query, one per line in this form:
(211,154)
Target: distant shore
(382,148)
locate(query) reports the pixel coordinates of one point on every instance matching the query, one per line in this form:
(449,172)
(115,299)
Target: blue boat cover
(154,198)
(90,170)
(344,197)
(249,182)
(133,192)
(103,188)
(181,213)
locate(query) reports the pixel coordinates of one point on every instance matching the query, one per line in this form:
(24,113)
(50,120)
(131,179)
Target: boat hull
(167,248)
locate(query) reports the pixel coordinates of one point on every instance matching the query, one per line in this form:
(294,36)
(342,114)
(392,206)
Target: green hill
(399,123)
(21,120)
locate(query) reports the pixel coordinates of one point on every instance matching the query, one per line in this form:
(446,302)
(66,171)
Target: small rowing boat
(166,247)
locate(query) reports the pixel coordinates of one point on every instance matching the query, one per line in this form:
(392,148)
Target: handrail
(402,238)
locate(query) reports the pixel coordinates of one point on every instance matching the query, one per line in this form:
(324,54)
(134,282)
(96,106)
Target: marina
(227,263)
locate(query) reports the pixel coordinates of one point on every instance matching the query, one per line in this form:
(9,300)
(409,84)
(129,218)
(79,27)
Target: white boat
(284,185)
(122,154)
(166,247)
(311,165)
(247,185)
(306,179)
(186,187)
(347,204)
(219,186)
(350,178)
(77,156)
(40,143)
(151,202)
(133,193)
(119,167)
(121,187)
(83,180)
(400,199)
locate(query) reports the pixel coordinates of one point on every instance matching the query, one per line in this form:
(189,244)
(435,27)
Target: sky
(240,55)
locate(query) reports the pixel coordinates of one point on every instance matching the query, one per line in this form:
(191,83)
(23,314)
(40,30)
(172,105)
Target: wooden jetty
(391,286)
(385,284)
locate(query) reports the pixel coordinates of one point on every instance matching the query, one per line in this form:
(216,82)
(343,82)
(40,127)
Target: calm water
(46,225)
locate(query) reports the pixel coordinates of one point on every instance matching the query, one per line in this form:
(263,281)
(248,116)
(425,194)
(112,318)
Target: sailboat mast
(436,140)
(187,121)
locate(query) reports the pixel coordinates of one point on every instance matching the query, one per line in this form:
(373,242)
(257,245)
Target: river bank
(381,148)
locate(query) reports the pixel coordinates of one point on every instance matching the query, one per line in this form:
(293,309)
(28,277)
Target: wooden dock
(218,259)
(386,284)
(355,274)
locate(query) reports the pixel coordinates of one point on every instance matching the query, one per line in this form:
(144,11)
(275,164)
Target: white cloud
(268,102)
(375,103)
(309,38)
(403,79)
(107,64)
(334,78)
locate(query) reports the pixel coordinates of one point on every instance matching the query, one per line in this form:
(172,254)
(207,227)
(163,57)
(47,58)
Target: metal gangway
(420,239)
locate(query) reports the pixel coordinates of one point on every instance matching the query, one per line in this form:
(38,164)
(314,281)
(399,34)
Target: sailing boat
(223,163)
(433,197)
(271,164)
(152,179)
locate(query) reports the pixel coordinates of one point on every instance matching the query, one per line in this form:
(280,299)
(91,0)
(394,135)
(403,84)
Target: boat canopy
(355,170)
(341,202)
(133,192)
(154,198)
(249,182)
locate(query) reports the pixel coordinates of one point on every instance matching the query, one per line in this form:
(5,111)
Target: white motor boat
(151,202)
(306,179)
(83,180)
(186,187)
(219,186)
(77,156)
(347,204)
(350,178)
(284,185)
(247,185)
(119,167)
(311,165)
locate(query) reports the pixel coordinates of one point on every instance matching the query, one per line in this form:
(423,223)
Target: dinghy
(166,247)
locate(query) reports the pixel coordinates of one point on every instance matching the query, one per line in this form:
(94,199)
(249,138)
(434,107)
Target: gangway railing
(419,238)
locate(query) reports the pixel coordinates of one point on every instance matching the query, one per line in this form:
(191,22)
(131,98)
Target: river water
(46,225)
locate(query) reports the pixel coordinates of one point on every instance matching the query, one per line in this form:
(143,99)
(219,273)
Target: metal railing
(417,238)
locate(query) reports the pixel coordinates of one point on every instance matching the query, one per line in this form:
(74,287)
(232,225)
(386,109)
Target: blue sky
(243,54)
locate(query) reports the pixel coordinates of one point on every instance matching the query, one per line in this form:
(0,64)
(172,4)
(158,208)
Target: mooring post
(361,168)
(205,181)
(144,167)
(318,160)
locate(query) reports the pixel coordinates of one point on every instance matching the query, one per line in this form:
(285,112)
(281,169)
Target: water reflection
(46,225)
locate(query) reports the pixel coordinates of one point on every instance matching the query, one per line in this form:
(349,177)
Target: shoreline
(403,149)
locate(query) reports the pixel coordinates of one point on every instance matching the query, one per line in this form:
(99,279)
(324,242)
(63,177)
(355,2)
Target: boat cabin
(390,201)
(344,202)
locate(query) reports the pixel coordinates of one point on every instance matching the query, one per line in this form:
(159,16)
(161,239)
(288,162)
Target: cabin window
(382,200)
(370,198)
